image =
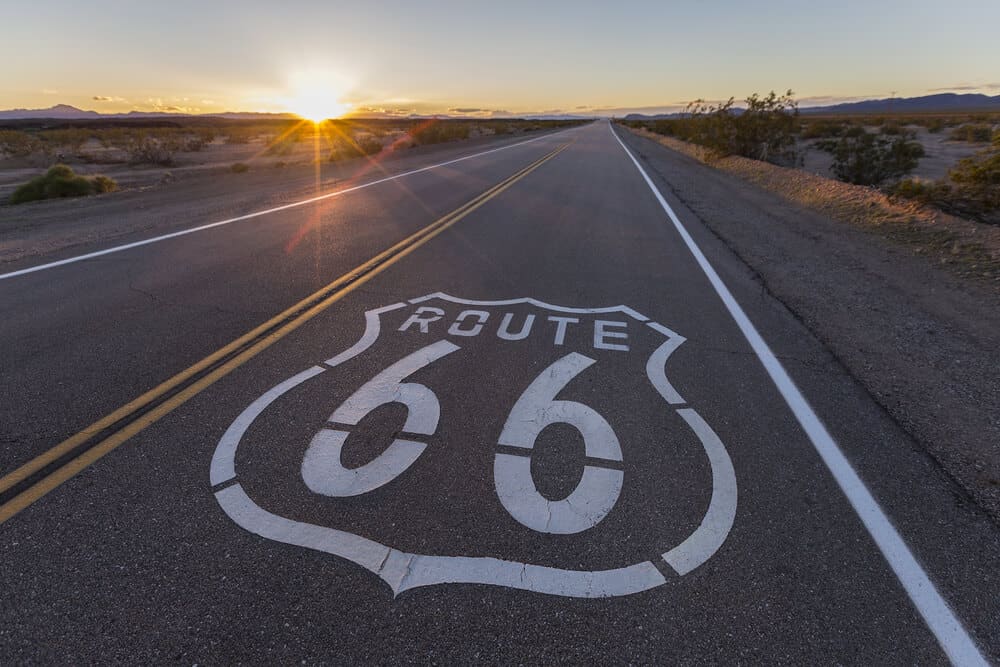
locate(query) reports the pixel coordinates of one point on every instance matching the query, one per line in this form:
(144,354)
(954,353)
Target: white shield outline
(404,571)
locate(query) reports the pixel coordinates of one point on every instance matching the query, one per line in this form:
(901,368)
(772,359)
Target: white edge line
(257,214)
(949,631)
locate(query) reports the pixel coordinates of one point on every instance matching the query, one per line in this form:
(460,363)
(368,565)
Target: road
(521,407)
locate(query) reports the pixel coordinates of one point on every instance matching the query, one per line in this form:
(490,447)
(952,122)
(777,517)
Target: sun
(317,97)
(318,105)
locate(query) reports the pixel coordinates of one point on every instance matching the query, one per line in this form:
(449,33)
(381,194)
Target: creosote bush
(240,168)
(440,131)
(143,149)
(15,143)
(863,158)
(972,132)
(971,189)
(61,181)
(347,149)
(764,130)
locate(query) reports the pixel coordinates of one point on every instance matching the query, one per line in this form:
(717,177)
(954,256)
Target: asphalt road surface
(522,407)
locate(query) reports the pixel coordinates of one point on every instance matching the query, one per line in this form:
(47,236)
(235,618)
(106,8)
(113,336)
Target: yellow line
(356,278)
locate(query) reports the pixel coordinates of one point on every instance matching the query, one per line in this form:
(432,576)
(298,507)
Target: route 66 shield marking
(426,334)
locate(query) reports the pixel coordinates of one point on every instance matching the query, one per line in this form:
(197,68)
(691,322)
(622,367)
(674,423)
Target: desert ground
(942,153)
(142,154)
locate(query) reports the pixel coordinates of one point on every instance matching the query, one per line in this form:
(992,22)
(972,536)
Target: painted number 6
(536,409)
(322,468)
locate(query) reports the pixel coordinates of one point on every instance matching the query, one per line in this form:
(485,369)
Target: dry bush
(972,132)
(764,130)
(61,181)
(346,149)
(15,143)
(863,158)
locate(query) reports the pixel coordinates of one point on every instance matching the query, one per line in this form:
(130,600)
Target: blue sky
(431,56)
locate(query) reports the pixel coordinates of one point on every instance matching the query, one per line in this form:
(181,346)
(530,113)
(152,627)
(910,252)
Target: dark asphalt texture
(134,560)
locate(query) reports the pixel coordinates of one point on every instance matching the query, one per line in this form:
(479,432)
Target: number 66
(323,470)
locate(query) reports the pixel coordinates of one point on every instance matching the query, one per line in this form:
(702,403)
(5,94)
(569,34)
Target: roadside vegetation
(880,151)
(159,142)
(865,158)
(764,129)
(238,145)
(971,189)
(61,181)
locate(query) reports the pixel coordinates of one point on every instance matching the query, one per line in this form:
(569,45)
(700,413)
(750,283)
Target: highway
(501,404)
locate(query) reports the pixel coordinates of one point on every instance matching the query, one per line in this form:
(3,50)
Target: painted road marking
(536,408)
(257,214)
(30,482)
(322,468)
(948,630)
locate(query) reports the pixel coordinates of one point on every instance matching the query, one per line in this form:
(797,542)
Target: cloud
(481,113)
(392,112)
(965,87)
(826,100)
(108,98)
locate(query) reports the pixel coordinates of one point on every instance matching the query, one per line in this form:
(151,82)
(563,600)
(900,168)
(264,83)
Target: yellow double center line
(44,473)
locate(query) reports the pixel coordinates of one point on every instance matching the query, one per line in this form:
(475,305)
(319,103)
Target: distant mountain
(67,112)
(60,111)
(658,116)
(925,104)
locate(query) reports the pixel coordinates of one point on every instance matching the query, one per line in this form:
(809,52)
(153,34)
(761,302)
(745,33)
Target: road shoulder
(923,342)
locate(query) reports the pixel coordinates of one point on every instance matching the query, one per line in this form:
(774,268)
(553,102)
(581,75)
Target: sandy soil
(93,158)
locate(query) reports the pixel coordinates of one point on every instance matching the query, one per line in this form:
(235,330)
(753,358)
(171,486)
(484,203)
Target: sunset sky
(483,57)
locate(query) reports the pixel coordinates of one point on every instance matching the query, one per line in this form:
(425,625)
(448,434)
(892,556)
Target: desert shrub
(143,149)
(975,186)
(347,149)
(920,190)
(863,158)
(935,125)
(104,184)
(895,130)
(61,181)
(824,128)
(437,132)
(978,133)
(764,130)
(668,127)
(240,168)
(971,189)
(18,144)
(66,138)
